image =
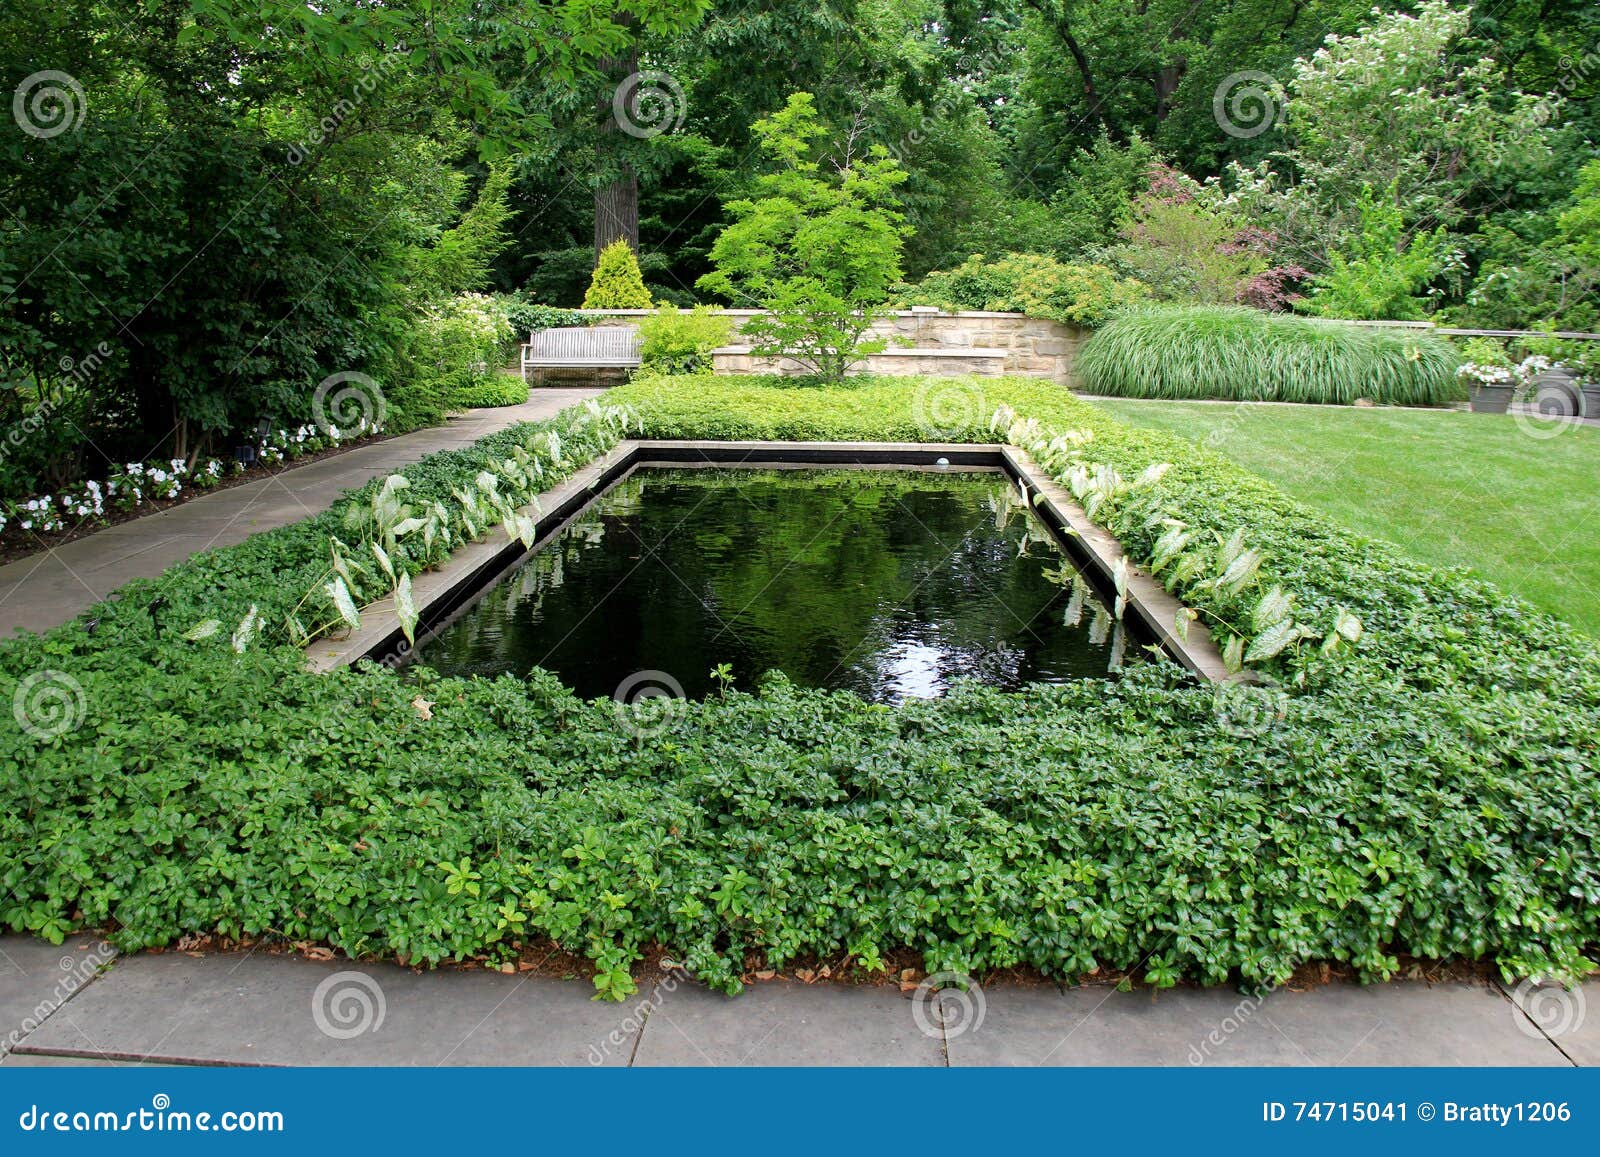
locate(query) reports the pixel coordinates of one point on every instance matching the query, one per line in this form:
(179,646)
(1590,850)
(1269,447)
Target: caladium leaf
(1181,621)
(405,607)
(1240,571)
(1233,653)
(339,593)
(249,627)
(1348,626)
(1271,641)
(204,629)
(1272,608)
(383,560)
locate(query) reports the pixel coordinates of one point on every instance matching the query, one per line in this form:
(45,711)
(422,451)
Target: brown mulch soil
(903,969)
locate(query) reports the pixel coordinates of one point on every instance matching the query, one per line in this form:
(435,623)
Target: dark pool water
(888,583)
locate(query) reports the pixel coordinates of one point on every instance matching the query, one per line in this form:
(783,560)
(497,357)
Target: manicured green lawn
(1451,488)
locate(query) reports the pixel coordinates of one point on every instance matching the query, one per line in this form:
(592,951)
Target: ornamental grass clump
(1234,353)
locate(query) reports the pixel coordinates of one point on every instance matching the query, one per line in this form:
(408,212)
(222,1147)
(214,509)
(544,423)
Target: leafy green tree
(617,282)
(819,247)
(1382,273)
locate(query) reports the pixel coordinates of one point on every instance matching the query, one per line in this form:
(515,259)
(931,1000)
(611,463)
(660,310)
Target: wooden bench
(598,347)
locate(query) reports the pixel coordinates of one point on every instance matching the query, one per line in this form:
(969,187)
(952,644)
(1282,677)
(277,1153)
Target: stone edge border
(442,594)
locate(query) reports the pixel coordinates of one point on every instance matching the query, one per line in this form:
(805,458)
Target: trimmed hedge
(1234,353)
(1430,789)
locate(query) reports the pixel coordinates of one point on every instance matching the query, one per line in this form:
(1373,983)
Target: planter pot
(1491,399)
(1555,394)
(1591,400)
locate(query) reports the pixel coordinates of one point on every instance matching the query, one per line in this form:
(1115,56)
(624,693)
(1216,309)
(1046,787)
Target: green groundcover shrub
(1032,283)
(498,389)
(1418,776)
(676,341)
(1244,354)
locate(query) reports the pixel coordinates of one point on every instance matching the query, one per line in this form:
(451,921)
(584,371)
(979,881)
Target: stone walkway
(47,589)
(75,1004)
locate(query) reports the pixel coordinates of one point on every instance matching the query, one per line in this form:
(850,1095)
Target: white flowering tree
(1393,109)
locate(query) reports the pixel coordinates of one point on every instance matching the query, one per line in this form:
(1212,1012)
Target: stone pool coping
(441,594)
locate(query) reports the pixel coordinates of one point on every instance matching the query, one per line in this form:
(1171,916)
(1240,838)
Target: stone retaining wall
(969,342)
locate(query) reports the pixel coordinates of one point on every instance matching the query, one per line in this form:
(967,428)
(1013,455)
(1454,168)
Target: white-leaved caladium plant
(1217,574)
(413,521)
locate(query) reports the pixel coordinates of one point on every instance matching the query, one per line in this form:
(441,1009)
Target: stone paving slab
(47,589)
(259,1009)
(1333,1025)
(37,978)
(784,1023)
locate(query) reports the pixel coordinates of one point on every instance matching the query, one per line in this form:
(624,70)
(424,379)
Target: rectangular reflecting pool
(887,582)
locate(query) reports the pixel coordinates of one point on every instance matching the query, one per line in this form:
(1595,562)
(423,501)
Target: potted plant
(1487,373)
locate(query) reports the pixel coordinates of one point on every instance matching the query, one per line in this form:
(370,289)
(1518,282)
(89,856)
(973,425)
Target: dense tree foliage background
(248,198)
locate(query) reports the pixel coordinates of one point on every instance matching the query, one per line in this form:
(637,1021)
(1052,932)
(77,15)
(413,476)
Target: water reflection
(889,583)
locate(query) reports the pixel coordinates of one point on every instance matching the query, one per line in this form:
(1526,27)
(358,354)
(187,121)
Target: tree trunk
(616,194)
(1167,80)
(616,211)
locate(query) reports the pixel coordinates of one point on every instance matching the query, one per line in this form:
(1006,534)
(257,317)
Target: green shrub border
(1429,789)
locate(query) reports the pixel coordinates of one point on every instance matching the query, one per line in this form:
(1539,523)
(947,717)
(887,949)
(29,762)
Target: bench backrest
(602,345)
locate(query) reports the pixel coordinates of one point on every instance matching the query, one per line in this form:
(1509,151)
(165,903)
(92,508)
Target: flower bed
(1418,775)
(141,487)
